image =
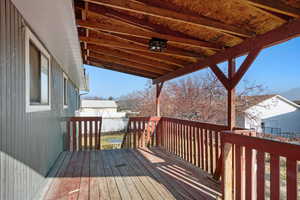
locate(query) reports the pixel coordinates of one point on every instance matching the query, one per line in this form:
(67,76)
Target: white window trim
(67,78)
(29,36)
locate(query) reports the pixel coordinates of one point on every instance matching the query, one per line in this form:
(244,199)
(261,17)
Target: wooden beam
(231,115)
(158,57)
(84,17)
(137,47)
(142,8)
(275,6)
(220,75)
(227,179)
(148,55)
(145,29)
(130,57)
(283,33)
(120,61)
(120,68)
(159,87)
(244,67)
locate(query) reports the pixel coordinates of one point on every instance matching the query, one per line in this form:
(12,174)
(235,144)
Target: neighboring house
(101,107)
(270,114)
(112,120)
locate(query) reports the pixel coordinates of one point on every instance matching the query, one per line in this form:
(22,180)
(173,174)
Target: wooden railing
(195,142)
(256,159)
(83,133)
(141,132)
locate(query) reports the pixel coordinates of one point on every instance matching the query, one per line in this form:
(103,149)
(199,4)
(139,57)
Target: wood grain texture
(145,173)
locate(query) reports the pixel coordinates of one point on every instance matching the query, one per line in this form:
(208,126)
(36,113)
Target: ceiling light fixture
(157,44)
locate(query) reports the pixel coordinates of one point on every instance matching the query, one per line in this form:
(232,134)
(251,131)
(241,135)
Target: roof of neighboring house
(297,102)
(98,104)
(250,101)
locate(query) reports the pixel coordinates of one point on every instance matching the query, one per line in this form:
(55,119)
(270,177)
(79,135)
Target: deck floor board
(140,174)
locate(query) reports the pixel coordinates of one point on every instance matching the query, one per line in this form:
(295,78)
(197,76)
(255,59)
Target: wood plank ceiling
(114,34)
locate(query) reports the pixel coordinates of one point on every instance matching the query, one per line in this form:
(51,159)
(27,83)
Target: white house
(99,107)
(270,114)
(112,120)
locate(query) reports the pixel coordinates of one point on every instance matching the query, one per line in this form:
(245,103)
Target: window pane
(34,75)
(44,80)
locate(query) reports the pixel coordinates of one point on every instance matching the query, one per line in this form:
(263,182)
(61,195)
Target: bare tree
(199,97)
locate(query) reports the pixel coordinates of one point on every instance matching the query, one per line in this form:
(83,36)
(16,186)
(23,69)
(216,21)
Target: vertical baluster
(85,134)
(176,138)
(194,145)
(202,149)
(96,135)
(91,132)
(79,135)
(199,146)
(249,183)
(292,170)
(216,140)
(274,166)
(74,135)
(206,149)
(68,136)
(238,174)
(211,151)
(260,175)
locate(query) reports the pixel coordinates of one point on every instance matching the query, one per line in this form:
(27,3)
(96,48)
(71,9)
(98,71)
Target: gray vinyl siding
(29,142)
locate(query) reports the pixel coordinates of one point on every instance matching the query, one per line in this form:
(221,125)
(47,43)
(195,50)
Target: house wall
(29,142)
(99,110)
(275,113)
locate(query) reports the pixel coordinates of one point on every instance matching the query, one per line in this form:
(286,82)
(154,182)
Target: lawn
(112,140)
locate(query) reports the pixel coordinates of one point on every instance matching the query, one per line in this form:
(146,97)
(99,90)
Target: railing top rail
(79,118)
(198,124)
(291,151)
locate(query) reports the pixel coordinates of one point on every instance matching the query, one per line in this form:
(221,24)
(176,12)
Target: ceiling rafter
(138,7)
(179,52)
(133,46)
(120,68)
(143,28)
(276,7)
(158,57)
(126,62)
(281,34)
(130,57)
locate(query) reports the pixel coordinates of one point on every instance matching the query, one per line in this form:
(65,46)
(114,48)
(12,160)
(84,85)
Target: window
(65,89)
(37,75)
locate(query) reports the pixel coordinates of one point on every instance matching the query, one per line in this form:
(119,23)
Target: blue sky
(277,68)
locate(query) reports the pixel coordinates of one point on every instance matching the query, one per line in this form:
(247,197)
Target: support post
(159,87)
(231,117)
(227,184)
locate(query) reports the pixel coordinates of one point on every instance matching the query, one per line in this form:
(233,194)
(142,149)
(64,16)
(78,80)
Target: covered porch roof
(114,34)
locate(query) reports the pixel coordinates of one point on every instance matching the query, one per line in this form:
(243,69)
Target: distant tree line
(199,97)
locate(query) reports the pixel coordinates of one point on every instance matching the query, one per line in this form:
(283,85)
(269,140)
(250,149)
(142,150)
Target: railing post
(227,183)
(159,87)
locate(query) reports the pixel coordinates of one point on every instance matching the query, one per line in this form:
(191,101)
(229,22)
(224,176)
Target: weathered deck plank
(146,174)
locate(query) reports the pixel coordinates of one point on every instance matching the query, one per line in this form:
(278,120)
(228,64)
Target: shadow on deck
(127,174)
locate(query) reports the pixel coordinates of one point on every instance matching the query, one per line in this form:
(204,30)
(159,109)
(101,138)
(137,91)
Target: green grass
(105,139)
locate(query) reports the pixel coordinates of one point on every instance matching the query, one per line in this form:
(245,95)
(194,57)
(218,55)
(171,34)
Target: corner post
(159,87)
(227,180)
(231,115)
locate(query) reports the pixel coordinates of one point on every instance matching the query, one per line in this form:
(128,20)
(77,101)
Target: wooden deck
(127,174)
